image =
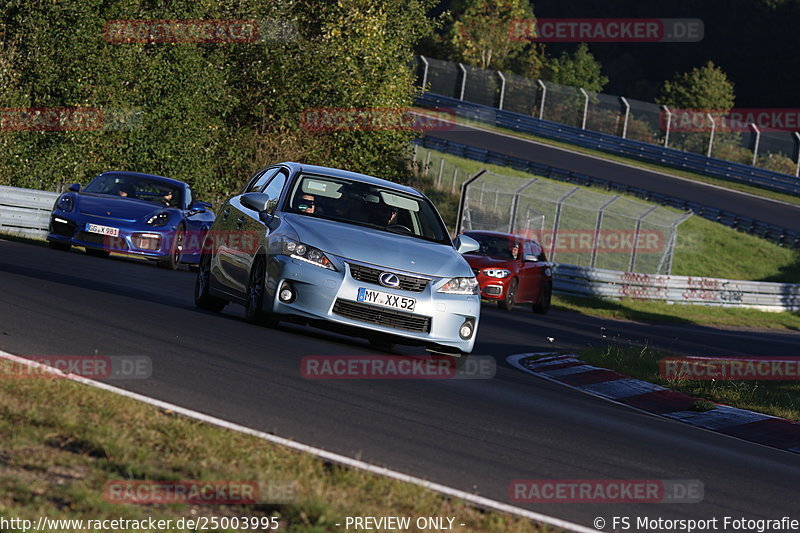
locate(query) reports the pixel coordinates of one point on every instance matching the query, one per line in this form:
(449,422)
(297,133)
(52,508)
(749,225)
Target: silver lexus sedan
(341,250)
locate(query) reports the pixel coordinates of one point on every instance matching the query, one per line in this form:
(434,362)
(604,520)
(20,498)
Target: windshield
(496,247)
(136,188)
(362,204)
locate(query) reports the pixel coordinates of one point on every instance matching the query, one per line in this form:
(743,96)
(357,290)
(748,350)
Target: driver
(384,215)
(307,204)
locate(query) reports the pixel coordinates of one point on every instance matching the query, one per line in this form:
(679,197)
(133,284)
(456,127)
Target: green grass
(60,442)
(679,313)
(777,398)
(751,189)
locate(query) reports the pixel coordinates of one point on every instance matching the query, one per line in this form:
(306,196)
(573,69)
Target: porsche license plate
(102,230)
(368,296)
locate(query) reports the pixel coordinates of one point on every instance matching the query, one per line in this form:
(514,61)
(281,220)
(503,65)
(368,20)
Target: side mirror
(465,244)
(75,187)
(197,208)
(530,258)
(257,201)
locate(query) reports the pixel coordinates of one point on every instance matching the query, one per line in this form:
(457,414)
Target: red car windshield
(495,247)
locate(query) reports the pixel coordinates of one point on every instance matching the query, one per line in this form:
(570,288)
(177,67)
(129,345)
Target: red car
(511,270)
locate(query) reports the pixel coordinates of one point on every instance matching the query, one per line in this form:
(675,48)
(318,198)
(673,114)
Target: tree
(579,70)
(706,88)
(487,35)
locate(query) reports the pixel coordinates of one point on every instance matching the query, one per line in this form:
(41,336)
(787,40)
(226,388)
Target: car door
(231,268)
(249,225)
(535,268)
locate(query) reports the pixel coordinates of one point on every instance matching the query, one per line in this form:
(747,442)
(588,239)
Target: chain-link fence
(616,115)
(575,225)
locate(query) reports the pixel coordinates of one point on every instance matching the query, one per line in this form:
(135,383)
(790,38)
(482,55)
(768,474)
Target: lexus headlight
(158,220)
(496,272)
(66,203)
(304,252)
(460,286)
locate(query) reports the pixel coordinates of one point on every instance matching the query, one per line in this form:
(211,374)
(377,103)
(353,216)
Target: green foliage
(579,70)
(207,113)
(704,88)
(483,35)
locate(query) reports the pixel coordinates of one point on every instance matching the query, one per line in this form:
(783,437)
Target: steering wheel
(399,227)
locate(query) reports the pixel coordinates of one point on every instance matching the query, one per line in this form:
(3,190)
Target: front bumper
(493,288)
(331,296)
(69,230)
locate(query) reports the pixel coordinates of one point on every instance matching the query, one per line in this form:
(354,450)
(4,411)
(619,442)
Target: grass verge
(742,187)
(679,313)
(777,398)
(60,442)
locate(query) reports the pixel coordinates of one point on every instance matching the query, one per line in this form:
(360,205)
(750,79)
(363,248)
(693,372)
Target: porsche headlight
(66,203)
(460,286)
(158,220)
(304,252)
(496,272)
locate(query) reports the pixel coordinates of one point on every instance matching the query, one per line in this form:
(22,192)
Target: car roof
(498,234)
(355,176)
(170,181)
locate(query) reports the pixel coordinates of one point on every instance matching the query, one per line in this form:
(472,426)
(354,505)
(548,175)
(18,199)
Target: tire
(202,298)
(256,289)
(175,251)
(542,305)
(61,246)
(97,253)
(511,294)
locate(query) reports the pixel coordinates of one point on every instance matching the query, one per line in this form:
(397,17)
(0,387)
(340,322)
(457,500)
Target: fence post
(515,204)
(427,163)
(463,80)
(557,220)
(455,176)
(627,113)
(585,107)
(636,234)
(502,88)
(711,137)
(597,226)
(544,95)
(441,169)
(669,125)
(755,148)
(424,72)
(797,171)
(462,202)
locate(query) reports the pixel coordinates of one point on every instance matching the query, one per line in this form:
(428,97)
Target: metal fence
(573,224)
(606,113)
(609,284)
(25,212)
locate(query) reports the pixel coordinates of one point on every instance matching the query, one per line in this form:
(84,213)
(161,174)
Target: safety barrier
(25,212)
(709,166)
(743,223)
(611,284)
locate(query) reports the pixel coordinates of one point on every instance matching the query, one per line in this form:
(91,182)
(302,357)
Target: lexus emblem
(387,279)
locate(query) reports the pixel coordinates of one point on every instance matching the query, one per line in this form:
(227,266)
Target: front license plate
(368,296)
(102,230)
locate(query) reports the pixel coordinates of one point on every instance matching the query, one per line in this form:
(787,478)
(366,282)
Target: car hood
(379,248)
(114,207)
(484,261)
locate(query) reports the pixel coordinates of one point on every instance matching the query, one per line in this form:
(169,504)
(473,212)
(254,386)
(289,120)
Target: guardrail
(611,284)
(743,223)
(25,212)
(709,166)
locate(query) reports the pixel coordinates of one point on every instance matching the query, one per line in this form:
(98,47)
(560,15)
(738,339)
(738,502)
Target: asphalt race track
(772,212)
(475,435)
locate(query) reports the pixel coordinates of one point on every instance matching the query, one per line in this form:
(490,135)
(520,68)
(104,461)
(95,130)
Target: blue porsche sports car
(140,214)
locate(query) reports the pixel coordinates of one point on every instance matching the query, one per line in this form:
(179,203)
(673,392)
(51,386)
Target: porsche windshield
(136,188)
(363,204)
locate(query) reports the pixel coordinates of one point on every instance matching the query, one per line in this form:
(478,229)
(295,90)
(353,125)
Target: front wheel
(511,295)
(542,305)
(256,288)
(175,252)
(202,298)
